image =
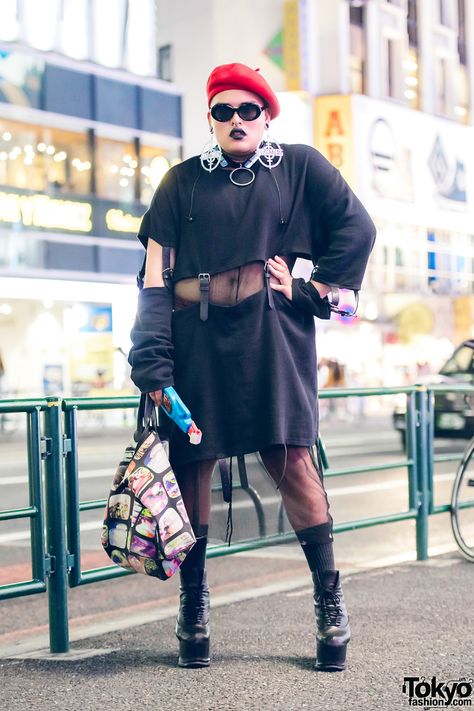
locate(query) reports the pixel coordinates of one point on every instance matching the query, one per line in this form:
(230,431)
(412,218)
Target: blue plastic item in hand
(179,413)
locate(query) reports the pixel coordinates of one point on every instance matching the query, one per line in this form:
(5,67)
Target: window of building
(54,161)
(449,268)
(462,32)
(441,80)
(21,78)
(357,50)
(165,69)
(117,164)
(443,13)
(398,260)
(446,12)
(18,251)
(117,33)
(413,259)
(356,16)
(154,163)
(44,159)
(461,109)
(412,23)
(411,79)
(391,68)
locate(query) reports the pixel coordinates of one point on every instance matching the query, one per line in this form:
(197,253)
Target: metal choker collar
(243,174)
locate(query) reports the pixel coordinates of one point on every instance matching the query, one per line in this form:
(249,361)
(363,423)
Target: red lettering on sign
(334,124)
(335,154)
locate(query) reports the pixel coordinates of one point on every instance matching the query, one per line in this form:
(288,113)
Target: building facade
(385,90)
(86,133)
(91,117)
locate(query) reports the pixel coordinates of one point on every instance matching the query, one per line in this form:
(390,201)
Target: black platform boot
(332,620)
(192,623)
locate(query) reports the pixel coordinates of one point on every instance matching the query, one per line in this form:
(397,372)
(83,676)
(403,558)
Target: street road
(368,442)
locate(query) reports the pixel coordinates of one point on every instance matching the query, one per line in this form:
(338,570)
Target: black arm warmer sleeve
(306,298)
(151,354)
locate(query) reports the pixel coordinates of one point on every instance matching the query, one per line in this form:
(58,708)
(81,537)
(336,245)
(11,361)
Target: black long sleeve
(348,232)
(151,355)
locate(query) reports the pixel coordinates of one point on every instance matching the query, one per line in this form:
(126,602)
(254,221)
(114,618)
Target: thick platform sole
(329,658)
(194,654)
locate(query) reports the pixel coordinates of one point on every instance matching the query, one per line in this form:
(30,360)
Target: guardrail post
(56,529)
(430,414)
(73,504)
(35,488)
(410,441)
(422,454)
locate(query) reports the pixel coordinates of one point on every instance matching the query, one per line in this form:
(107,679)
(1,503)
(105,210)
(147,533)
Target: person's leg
(301,484)
(192,624)
(305,501)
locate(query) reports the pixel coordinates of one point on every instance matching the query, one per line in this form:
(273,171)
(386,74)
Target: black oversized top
(302,207)
(248,373)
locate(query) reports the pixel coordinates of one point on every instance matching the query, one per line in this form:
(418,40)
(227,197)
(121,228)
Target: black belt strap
(268,286)
(167,271)
(225,480)
(204,283)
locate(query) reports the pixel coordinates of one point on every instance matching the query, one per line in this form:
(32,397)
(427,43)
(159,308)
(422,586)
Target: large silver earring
(211,154)
(269,152)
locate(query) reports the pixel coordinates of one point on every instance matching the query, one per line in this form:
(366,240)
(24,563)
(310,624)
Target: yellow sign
(333,133)
(291,45)
(120,221)
(43,211)
(413,320)
(463,317)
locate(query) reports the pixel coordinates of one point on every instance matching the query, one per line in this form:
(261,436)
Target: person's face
(237,137)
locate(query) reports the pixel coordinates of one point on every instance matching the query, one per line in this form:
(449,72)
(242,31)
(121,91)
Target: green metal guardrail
(433,459)
(74,506)
(56,554)
(36,448)
(413,463)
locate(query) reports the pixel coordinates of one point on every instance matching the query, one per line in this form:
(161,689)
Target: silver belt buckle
(204,280)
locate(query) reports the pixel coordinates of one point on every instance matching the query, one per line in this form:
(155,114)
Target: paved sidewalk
(414,619)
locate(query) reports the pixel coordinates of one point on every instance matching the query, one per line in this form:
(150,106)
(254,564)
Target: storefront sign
(413,167)
(97,217)
(333,132)
(45,212)
(98,319)
(274,50)
(291,45)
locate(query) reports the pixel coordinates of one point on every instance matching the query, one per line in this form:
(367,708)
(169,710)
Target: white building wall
(328,40)
(207,33)
(470,56)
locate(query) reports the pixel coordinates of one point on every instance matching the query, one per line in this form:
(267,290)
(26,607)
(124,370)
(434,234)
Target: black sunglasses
(247,112)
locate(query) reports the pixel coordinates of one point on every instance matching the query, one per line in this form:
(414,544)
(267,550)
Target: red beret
(239,76)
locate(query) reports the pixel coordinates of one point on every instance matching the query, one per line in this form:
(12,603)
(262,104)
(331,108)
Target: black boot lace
(194,606)
(330,607)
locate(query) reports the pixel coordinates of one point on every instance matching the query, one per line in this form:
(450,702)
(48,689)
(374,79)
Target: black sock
(192,570)
(317,545)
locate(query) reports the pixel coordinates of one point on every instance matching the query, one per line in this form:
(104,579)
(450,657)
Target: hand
(279,269)
(157,397)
